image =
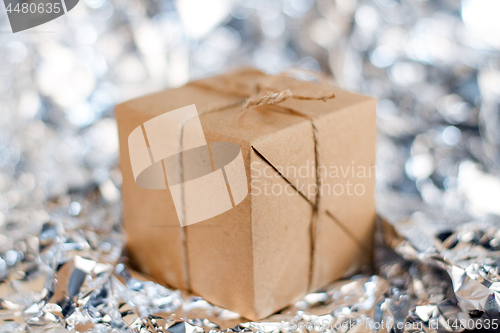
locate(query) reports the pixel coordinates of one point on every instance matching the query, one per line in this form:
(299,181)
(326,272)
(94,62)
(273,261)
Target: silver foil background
(434,65)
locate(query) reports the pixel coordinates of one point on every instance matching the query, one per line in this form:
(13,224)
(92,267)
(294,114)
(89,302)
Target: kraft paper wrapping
(261,255)
(204,180)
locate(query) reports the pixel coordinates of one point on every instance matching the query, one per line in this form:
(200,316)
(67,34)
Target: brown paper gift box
(273,248)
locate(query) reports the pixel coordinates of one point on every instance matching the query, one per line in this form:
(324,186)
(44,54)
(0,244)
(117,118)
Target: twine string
(276,97)
(273,98)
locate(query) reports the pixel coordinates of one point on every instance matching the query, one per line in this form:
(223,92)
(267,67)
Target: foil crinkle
(72,276)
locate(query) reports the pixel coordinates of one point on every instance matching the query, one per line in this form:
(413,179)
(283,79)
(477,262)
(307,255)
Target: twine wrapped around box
(308,237)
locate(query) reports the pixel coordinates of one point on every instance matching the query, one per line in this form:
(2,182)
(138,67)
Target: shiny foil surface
(435,67)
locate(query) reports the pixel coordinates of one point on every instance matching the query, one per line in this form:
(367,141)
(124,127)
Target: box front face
(254,258)
(263,243)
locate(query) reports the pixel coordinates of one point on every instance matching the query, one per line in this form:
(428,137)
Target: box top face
(219,101)
(279,136)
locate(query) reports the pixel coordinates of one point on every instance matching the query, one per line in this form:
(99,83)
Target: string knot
(276,97)
(270,98)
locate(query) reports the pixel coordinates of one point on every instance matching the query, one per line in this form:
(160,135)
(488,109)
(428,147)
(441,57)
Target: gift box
(301,209)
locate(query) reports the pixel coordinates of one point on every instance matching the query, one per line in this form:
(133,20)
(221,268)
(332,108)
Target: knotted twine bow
(273,97)
(276,97)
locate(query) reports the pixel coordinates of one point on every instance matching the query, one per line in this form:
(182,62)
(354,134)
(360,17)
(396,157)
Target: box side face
(337,254)
(281,239)
(154,236)
(347,140)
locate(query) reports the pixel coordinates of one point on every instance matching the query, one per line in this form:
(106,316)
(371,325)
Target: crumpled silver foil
(435,67)
(72,276)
